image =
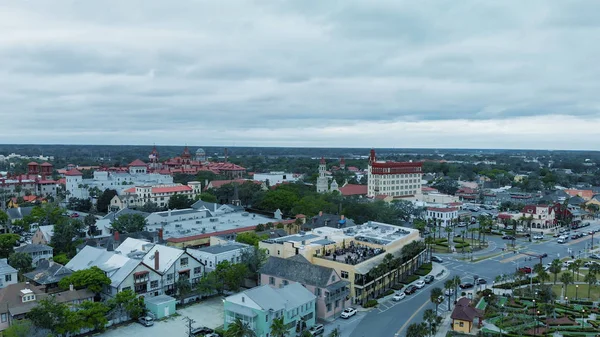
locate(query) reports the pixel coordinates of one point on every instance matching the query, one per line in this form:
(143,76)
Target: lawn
(582,292)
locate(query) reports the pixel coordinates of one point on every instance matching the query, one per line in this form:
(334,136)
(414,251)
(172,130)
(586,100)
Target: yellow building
(356,254)
(464,316)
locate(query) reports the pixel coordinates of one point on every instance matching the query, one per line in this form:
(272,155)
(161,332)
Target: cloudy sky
(385,73)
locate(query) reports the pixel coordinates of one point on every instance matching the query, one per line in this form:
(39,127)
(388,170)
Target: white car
(348,312)
(420,284)
(398,296)
(449,292)
(538,237)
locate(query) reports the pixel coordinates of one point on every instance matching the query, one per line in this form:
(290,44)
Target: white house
(212,255)
(38,252)
(445,214)
(170,263)
(8,274)
(274,178)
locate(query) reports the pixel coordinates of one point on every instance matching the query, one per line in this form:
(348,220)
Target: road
(391,319)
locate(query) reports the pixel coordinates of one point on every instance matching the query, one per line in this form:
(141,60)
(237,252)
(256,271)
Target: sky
(308,73)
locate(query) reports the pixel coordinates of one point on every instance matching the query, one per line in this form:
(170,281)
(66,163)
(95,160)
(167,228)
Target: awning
(140,273)
(184,271)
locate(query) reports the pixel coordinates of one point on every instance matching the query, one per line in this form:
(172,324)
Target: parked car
(526,270)
(545,255)
(420,284)
(561,240)
(466,285)
(214,334)
(595,256)
(348,312)
(317,330)
(429,278)
(556,235)
(436,259)
(146,321)
(538,237)
(575,236)
(481,281)
(201,331)
(508,237)
(449,292)
(399,296)
(75,215)
(410,290)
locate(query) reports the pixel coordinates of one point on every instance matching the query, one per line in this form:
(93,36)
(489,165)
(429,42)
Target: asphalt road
(391,319)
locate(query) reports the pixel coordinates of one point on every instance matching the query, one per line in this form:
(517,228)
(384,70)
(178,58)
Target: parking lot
(206,313)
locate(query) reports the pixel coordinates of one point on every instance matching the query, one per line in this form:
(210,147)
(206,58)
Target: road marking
(412,317)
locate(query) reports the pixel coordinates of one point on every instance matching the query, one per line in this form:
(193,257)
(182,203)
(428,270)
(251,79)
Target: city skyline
(502,75)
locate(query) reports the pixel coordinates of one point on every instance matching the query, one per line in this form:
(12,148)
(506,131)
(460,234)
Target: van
(561,240)
(317,330)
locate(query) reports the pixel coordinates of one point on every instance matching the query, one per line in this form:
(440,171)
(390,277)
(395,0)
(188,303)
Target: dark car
(544,255)
(526,270)
(466,285)
(201,331)
(436,259)
(429,278)
(481,281)
(410,290)
(508,237)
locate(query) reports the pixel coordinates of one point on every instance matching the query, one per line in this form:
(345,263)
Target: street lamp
(582,314)
(576,291)
(566,300)
(502,320)
(534,318)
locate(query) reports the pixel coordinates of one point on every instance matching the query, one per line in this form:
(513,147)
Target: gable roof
(73,173)
(298,269)
(328,220)
(47,232)
(137,163)
(464,312)
(353,189)
(18,213)
(48,273)
(5,268)
(291,296)
(33,248)
(211,206)
(166,255)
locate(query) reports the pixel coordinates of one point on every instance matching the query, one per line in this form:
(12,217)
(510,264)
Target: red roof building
(73,173)
(396,179)
(354,189)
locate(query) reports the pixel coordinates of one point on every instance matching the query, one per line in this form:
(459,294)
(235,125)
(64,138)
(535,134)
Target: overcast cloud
(385,73)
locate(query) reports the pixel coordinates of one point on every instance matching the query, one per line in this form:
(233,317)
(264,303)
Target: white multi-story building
(159,194)
(444,214)
(395,179)
(8,274)
(274,178)
(212,255)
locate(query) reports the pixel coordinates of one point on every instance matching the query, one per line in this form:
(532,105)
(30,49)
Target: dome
(200,152)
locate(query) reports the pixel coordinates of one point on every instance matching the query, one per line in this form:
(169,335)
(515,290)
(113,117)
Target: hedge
(388,292)
(581,302)
(410,279)
(397,286)
(511,285)
(370,304)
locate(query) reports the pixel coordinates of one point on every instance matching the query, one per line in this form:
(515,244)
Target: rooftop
(219,249)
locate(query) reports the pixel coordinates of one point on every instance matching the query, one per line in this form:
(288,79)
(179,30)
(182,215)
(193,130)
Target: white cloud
(499,74)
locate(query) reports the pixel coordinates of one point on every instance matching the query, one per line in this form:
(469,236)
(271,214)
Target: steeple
(186,153)
(342,163)
(372,157)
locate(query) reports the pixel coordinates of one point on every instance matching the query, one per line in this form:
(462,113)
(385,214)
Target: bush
(388,292)
(398,286)
(371,304)
(581,302)
(410,279)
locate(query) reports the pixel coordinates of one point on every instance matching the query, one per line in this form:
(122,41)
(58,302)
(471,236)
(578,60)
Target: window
(154,284)
(198,270)
(328,307)
(344,274)
(271,280)
(332,278)
(318,291)
(461,324)
(3,318)
(7,277)
(337,303)
(126,288)
(285,282)
(169,277)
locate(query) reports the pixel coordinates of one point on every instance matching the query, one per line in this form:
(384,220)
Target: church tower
(322,183)
(342,164)
(186,156)
(153,158)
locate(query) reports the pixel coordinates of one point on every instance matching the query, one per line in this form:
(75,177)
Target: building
(464,316)
(159,194)
(259,306)
(353,252)
(354,190)
(322,180)
(435,197)
(188,165)
(539,216)
(447,215)
(38,181)
(47,275)
(43,235)
(585,194)
(169,263)
(395,179)
(38,252)
(18,213)
(160,306)
(274,178)
(18,299)
(8,274)
(332,292)
(214,254)
(327,220)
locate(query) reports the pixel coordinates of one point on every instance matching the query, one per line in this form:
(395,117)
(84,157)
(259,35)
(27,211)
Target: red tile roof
(428,189)
(585,194)
(504,216)
(137,163)
(171,189)
(353,189)
(532,209)
(73,173)
(129,190)
(32,163)
(47,164)
(62,181)
(440,209)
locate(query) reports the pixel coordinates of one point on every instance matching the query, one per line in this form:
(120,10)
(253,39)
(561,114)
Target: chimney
(160,235)
(156,263)
(26,285)
(116,236)
(320,213)
(215,206)
(71,287)
(169,213)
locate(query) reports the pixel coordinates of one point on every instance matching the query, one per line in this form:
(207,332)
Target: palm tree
(429,242)
(555,268)
(417,330)
(240,329)
(566,279)
(448,230)
(433,223)
(448,285)
(431,319)
(576,266)
(434,297)
(457,281)
(278,328)
(591,279)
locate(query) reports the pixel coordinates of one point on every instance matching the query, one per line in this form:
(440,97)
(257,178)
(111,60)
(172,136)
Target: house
(585,194)
(18,299)
(576,201)
(464,316)
(259,306)
(212,255)
(8,274)
(331,291)
(113,241)
(444,214)
(467,194)
(43,235)
(47,275)
(159,194)
(328,220)
(18,213)
(125,273)
(540,216)
(38,252)
(168,262)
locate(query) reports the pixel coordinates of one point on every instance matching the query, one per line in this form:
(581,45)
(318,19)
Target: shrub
(409,279)
(397,286)
(581,302)
(370,304)
(388,292)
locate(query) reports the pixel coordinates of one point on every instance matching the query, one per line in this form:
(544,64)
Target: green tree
(129,223)
(432,320)
(179,201)
(576,266)
(555,268)
(254,258)
(19,328)
(89,220)
(209,284)
(183,287)
(250,238)
(591,280)
(238,328)
(449,285)
(47,214)
(21,262)
(64,234)
(3,218)
(104,200)
(278,328)
(57,317)
(417,330)
(93,279)
(566,279)
(436,297)
(80,205)
(232,275)
(7,244)
(150,207)
(92,315)
(334,333)
(208,197)
(127,302)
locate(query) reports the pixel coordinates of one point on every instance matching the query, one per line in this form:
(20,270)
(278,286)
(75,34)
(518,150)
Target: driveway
(206,313)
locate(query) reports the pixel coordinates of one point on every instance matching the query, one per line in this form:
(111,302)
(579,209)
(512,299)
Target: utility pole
(189,324)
